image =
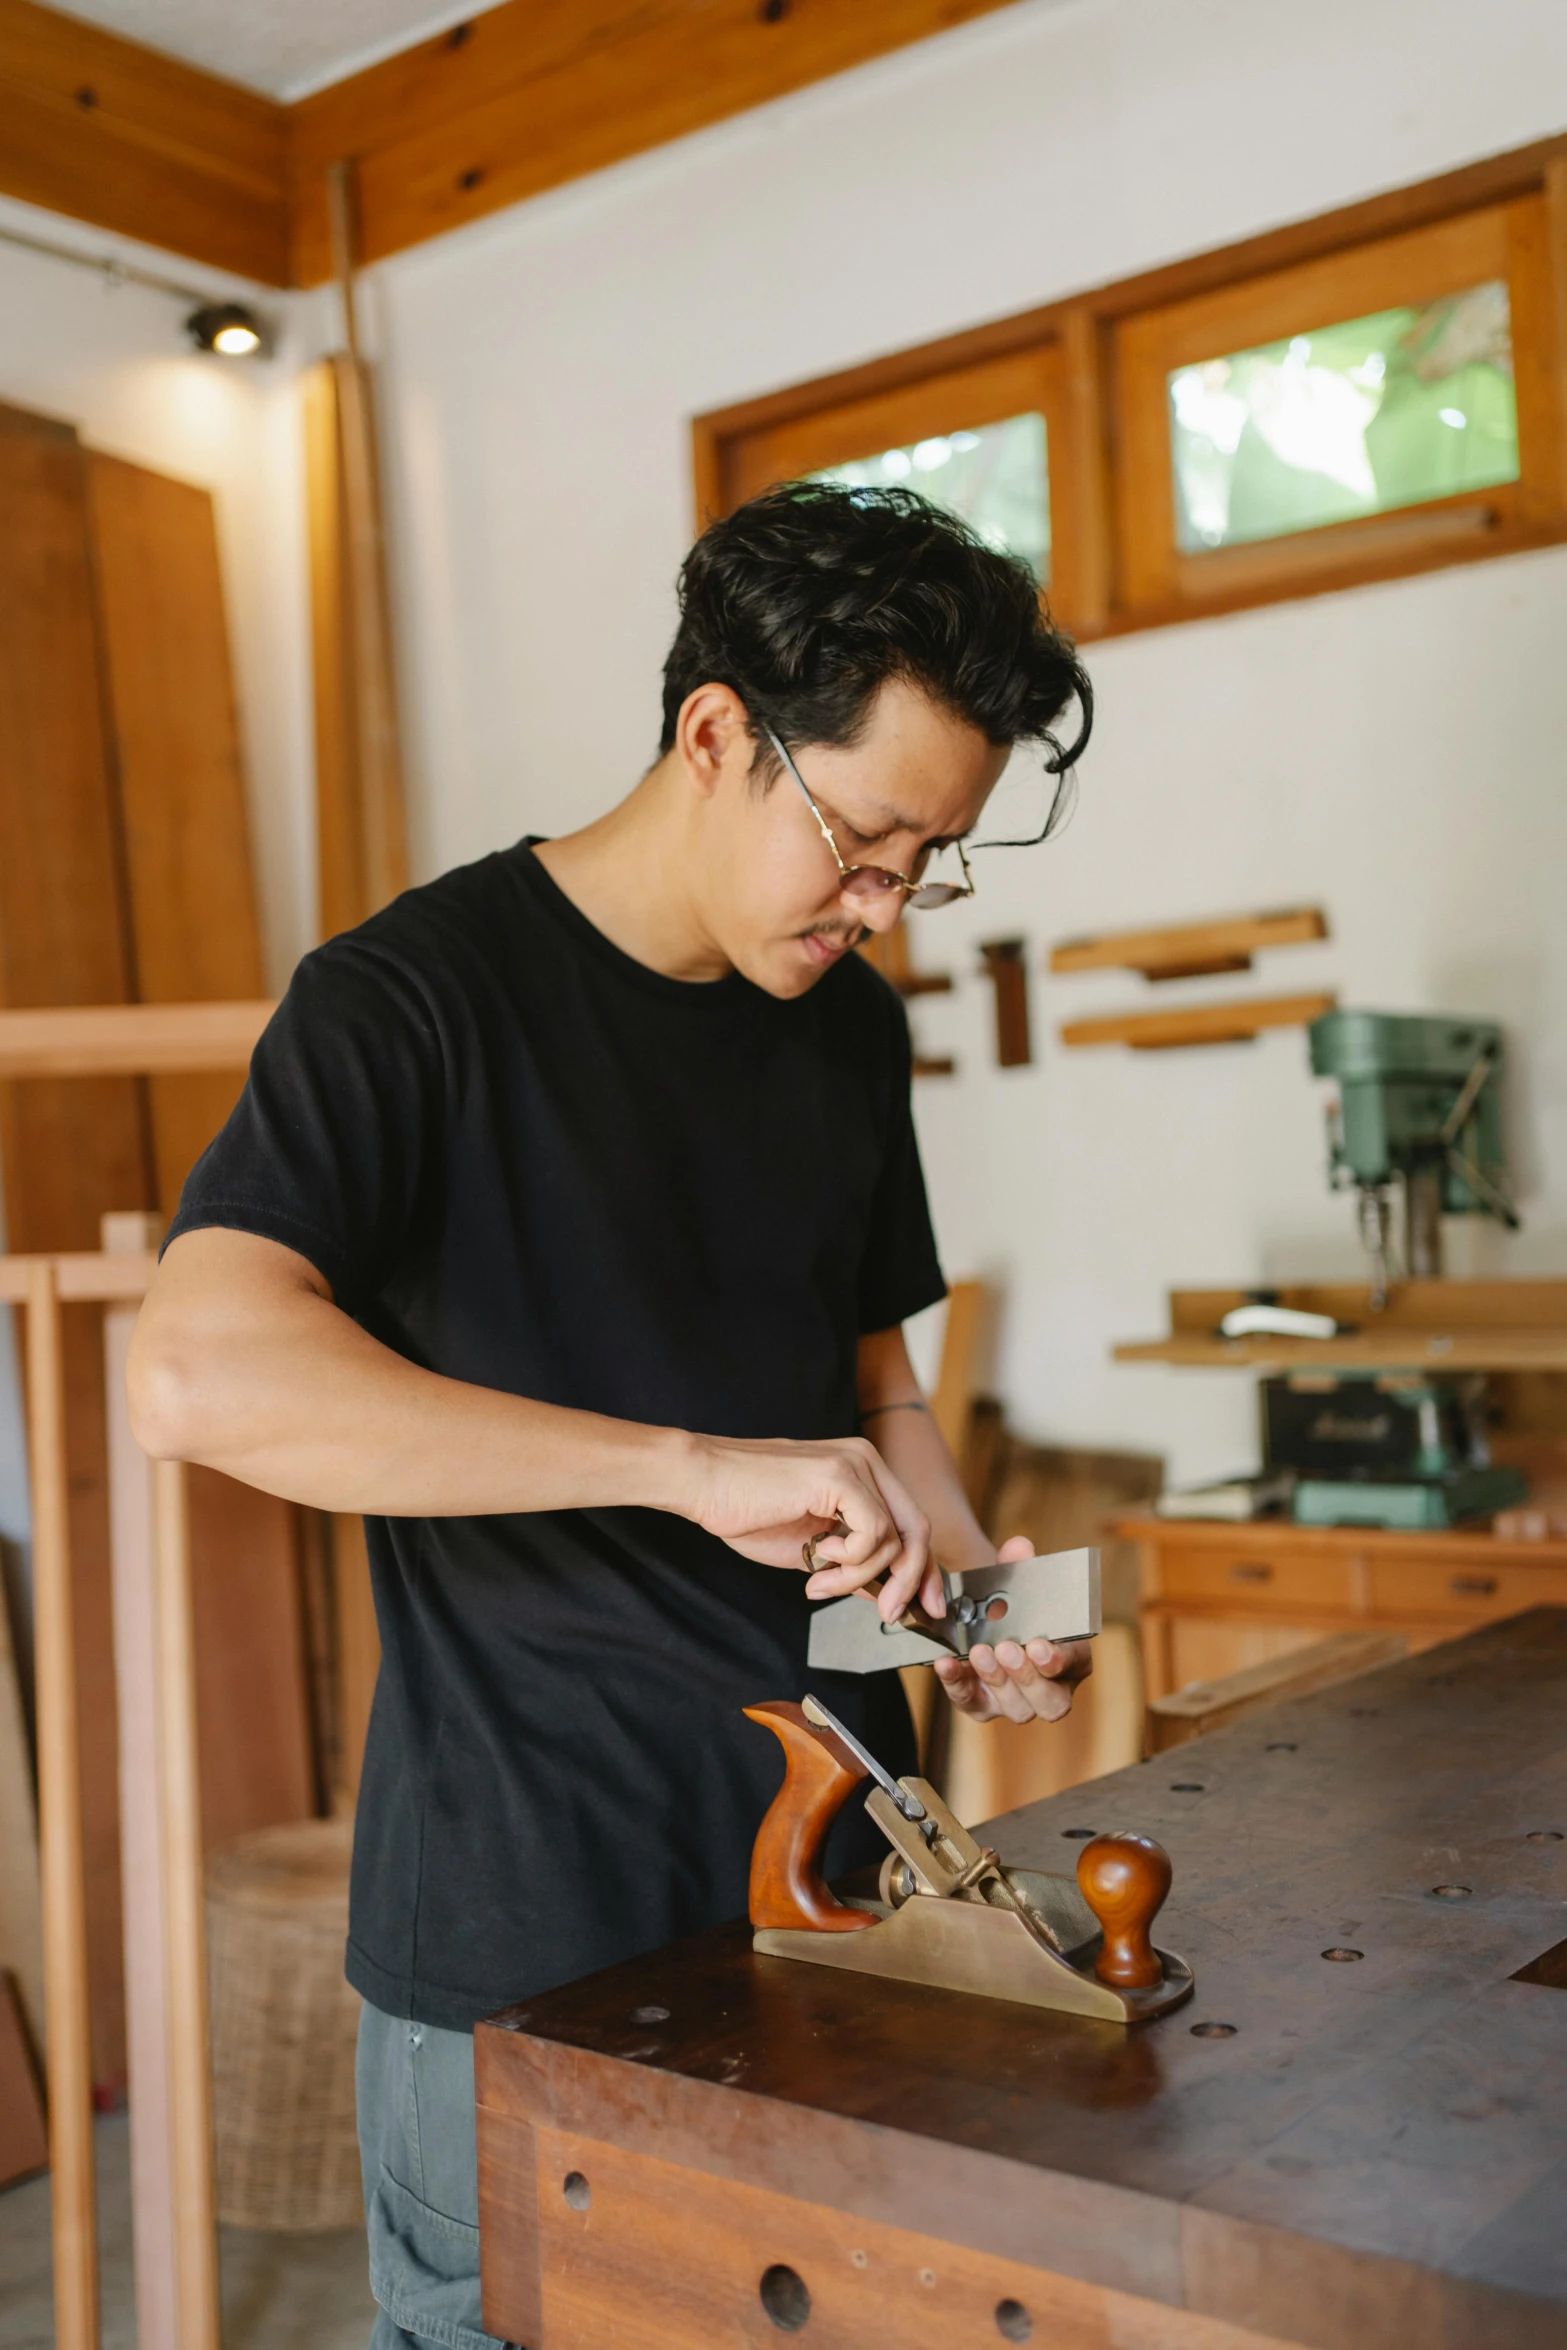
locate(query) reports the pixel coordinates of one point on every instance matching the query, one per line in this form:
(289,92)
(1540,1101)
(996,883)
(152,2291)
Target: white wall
(1392,753)
(115,362)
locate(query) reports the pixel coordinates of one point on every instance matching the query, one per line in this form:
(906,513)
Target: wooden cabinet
(1215,1598)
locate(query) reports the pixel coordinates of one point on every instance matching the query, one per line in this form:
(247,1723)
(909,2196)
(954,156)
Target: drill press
(1418,1104)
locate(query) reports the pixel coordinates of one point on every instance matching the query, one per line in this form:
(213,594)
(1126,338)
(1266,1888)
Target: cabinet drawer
(1424,1587)
(1251,1576)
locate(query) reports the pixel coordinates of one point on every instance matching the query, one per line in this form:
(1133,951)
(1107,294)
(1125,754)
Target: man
(566,1228)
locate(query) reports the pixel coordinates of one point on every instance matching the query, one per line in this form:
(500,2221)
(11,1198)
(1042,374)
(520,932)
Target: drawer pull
(1473,1586)
(1251,1571)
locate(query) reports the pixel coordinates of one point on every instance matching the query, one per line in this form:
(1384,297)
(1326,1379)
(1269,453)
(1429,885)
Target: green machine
(1419,1103)
(1395,1449)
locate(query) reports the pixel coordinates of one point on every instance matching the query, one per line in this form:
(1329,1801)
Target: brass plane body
(953,1917)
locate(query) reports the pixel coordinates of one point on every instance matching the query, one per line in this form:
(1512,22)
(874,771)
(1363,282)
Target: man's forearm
(242,1360)
(299,1400)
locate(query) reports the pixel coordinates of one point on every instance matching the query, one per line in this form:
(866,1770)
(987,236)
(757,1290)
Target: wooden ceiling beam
(521,98)
(106,131)
(538,92)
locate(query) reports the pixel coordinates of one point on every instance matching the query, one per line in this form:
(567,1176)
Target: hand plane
(950,1913)
(1055,1598)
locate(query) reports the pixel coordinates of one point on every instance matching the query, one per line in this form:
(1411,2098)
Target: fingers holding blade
(879,1531)
(1027,1683)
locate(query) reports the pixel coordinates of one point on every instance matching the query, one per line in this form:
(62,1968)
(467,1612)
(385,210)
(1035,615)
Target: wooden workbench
(1375,2155)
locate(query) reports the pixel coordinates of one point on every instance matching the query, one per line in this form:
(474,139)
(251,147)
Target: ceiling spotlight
(226,327)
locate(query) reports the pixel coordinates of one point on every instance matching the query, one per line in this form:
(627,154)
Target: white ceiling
(284,47)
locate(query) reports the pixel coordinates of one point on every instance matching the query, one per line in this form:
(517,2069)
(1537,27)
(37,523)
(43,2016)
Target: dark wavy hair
(811,597)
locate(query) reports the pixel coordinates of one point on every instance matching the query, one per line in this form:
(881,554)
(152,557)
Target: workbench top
(1377,2150)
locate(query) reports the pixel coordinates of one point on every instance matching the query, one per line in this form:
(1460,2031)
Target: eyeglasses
(873,882)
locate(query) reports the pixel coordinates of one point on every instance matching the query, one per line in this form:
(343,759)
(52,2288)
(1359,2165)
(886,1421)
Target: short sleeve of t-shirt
(901,1273)
(333,1147)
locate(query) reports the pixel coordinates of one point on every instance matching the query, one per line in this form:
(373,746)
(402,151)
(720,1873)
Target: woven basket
(283,2029)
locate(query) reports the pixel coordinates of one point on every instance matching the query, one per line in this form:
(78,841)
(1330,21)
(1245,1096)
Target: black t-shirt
(522,1158)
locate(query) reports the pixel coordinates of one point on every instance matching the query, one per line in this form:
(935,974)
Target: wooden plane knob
(1124,1880)
(819,1775)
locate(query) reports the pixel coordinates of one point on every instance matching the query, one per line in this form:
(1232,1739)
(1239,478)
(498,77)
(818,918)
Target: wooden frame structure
(1098,363)
(166,1988)
(173,2214)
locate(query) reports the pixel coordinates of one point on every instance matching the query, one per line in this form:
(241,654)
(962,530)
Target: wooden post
(1556,248)
(142,1861)
(21,1921)
(1093,561)
(60,1831)
(968,1304)
(184,1920)
(359,788)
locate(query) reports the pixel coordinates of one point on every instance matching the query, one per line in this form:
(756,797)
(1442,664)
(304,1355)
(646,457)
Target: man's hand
(1031,1683)
(768,1498)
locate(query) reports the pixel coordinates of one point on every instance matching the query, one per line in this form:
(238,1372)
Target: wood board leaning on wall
(125,876)
(1061,1499)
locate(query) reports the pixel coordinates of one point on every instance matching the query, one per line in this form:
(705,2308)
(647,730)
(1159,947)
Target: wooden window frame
(1030,381)
(1504,240)
(1101,360)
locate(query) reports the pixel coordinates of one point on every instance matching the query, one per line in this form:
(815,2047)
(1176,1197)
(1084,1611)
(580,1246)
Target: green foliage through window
(996,477)
(1374,414)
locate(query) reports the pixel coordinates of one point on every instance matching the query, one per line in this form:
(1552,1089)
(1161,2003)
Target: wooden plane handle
(1124,1880)
(819,1774)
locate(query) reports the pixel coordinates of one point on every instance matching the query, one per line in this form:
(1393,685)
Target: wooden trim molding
(517,99)
(527,96)
(533,93)
(537,92)
(106,131)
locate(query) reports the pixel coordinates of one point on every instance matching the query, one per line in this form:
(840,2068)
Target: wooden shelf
(1425,1326)
(1191,949)
(1198,1024)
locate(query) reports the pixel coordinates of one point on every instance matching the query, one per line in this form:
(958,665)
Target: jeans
(414,2087)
